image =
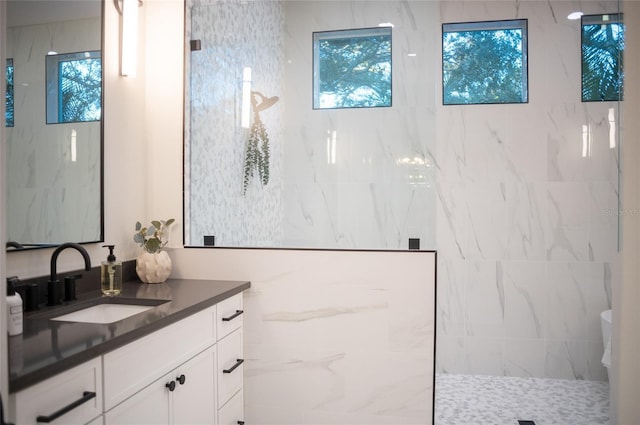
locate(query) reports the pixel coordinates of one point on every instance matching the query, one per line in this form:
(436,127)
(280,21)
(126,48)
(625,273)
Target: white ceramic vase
(153,267)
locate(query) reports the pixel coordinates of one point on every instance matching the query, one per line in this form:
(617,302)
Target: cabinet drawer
(229,316)
(230,366)
(232,413)
(77,391)
(132,367)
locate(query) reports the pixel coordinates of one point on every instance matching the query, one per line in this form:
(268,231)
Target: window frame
(318,36)
(507,24)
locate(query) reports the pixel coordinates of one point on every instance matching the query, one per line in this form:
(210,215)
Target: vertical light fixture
(128,60)
(246,98)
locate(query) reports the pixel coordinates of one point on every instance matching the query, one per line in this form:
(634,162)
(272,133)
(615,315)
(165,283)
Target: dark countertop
(48,347)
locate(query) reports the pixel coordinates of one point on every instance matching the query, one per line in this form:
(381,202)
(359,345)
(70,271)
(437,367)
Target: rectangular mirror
(54,122)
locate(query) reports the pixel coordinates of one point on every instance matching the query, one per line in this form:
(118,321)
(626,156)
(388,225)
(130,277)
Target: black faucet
(54,289)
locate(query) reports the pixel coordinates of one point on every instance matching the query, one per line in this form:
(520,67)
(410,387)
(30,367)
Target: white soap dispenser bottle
(111,274)
(14,308)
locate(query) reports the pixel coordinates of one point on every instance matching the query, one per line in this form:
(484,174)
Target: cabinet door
(194,401)
(149,406)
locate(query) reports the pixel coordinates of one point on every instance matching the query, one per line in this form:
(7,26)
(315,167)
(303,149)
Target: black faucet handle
(70,287)
(54,292)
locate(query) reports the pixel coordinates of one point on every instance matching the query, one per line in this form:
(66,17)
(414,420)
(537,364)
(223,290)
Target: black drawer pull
(240,422)
(232,368)
(86,396)
(171,385)
(233,316)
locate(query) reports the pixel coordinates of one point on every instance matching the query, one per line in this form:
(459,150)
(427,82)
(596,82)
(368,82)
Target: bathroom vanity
(178,361)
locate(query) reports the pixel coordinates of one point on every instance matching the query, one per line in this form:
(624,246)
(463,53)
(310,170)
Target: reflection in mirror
(54,127)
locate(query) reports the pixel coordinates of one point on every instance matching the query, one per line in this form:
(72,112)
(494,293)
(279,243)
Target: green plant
(257,155)
(152,238)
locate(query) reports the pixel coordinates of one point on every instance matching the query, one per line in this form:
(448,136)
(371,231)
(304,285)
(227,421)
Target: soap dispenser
(111,274)
(14,308)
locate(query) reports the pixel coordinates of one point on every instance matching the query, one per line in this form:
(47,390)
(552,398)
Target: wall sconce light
(129,48)
(246,98)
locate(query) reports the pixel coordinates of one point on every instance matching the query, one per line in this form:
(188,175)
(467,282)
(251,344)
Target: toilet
(605,323)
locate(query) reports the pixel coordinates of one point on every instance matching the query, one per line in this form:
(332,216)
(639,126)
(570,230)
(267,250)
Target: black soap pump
(111,274)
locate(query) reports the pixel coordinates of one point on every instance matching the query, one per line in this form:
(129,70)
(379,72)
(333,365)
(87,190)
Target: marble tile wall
(44,186)
(525,225)
(331,337)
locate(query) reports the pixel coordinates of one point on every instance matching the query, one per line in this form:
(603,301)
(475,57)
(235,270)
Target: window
(602,47)
(8,96)
(352,68)
(484,62)
(74,87)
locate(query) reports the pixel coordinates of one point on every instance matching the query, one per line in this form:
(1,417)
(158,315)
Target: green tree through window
(80,88)
(74,87)
(352,68)
(602,47)
(484,62)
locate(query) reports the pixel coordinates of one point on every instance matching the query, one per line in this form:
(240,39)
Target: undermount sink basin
(103,313)
(109,310)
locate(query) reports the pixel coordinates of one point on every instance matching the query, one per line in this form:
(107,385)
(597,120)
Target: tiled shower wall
(525,225)
(233,35)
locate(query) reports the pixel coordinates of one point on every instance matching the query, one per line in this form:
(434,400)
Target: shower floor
(493,400)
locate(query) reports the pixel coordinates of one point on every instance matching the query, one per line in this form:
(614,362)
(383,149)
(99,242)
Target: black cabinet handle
(171,385)
(240,422)
(232,368)
(86,396)
(181,379)
(233,316)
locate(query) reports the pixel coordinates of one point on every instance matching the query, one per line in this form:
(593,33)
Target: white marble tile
(526,207)
(524,357)
(452,278)
(451,355)
(598,297)
(451,216)
(486,225)
(567,301)
(566,359)
(526,289)
(486,297)
(485,356)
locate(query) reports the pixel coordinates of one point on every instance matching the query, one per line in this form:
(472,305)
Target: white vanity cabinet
(73,397)
(188,372)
